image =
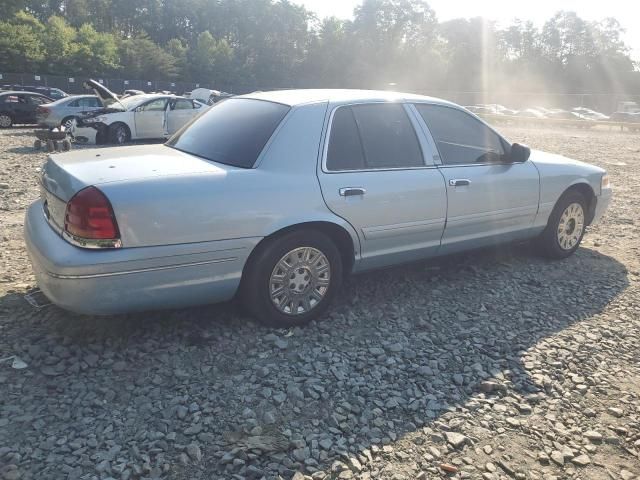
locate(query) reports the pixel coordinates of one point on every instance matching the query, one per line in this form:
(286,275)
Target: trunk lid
(67,173)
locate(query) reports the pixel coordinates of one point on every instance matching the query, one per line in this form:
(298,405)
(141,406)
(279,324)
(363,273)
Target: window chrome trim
(327,139)
(91,243)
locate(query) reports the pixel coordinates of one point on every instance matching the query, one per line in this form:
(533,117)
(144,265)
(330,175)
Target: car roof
(71,98)
(136,100)
(21,92)
(298,97)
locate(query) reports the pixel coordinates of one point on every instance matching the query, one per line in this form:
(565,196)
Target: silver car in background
(66,111)
(274,196)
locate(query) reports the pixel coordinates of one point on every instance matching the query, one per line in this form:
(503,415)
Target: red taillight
(89,216)
(43,111)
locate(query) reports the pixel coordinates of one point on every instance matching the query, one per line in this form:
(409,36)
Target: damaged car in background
(138,117)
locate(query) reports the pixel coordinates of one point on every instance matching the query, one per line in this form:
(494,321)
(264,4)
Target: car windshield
(232,132)
(131,102)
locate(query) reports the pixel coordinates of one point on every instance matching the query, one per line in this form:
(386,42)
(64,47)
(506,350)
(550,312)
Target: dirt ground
(488,365)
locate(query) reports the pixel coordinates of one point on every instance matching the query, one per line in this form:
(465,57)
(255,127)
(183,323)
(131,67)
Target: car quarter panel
(128,279)
(557,174)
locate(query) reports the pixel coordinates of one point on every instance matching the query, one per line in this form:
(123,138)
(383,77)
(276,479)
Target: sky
(627,12)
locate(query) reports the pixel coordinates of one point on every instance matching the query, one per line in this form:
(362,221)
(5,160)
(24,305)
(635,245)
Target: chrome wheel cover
(69,124)
(570,226)
(5,121)
(300,280)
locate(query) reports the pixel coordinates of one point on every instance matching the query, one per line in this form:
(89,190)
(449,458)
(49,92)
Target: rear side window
(233,132)
(461,138)
(345,148)
(373,136)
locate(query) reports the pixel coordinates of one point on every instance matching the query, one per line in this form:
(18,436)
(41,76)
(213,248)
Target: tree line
(269,44)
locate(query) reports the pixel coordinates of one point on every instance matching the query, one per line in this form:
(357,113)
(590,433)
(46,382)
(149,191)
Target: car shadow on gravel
(399,349)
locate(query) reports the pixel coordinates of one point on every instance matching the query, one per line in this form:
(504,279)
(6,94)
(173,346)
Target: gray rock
(557,457)
(616,412)
(455,439)
(193,450)
(581,460)
(301,454)
(593,436)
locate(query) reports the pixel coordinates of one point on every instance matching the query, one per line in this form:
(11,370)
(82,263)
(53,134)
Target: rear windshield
(233,132)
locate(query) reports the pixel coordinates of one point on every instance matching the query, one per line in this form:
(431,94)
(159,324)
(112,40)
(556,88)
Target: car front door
(180,112)
(374,175)
(489,198)
(20,104)
(149,119)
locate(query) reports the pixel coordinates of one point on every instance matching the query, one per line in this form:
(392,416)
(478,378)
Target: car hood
(67,173)
(109,99)
(544,159)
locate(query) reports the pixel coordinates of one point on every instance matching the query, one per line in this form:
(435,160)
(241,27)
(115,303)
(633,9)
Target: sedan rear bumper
(104,282)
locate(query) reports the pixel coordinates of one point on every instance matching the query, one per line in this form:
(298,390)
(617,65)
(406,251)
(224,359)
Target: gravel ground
(488,365)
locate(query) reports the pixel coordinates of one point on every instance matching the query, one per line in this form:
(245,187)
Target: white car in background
(139,117)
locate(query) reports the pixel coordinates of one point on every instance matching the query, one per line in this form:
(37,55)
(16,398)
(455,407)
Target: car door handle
(351,191)
(459,182)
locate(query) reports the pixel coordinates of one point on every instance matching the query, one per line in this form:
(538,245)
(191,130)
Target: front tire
(119,134)
(566,227)
(292,279)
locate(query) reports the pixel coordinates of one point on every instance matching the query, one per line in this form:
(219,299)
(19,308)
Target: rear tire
(68,122)
(6,121)
(66,145)
(119,134)
(565,228)
(292,279)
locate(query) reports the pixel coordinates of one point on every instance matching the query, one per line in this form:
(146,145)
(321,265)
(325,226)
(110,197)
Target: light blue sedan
(276,196)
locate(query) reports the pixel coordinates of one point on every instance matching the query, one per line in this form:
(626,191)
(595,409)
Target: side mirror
(519,153)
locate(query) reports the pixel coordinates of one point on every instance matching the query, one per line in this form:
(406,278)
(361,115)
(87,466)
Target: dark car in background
(50,92)
(20,107)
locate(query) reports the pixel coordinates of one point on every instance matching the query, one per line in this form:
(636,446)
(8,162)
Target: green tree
(21,43)
(59,45)
(141,58)
(95,52)
(210,59)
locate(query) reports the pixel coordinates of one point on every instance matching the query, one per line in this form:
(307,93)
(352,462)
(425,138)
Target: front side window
(232,132)
(461,138)
(372,136)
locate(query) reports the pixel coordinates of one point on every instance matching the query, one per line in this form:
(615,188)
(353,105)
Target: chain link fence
(606,103)
(73,85)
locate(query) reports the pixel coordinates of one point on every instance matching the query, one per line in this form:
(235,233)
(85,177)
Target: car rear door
(489,198)
(150,118)
(375,176)
(179,113)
